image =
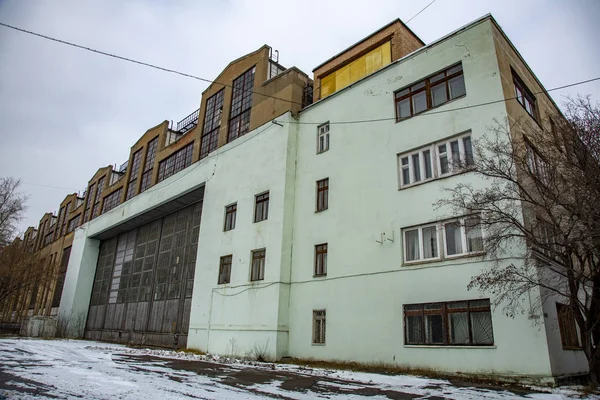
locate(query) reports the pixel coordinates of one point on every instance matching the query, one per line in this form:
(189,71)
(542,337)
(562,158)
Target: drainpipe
(212,292)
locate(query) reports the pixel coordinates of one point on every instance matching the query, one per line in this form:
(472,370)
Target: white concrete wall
(236,317)
(364,313)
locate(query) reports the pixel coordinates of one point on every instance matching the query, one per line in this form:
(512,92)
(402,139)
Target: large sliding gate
(144,279)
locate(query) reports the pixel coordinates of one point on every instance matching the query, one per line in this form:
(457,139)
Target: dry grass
(193,351)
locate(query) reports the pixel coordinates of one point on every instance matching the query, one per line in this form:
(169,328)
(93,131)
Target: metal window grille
(212,123)
(241,103)
(175,162)
(112,200)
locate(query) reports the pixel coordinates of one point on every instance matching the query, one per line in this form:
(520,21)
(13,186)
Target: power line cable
(426,113)
(136,61)
(424,8)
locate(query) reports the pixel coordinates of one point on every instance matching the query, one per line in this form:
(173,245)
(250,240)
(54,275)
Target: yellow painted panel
(357,69)
(386,54)
(328,85)
(342,77)
(373,60)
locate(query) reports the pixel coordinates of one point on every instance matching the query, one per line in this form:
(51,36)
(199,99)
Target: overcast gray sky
(66,112)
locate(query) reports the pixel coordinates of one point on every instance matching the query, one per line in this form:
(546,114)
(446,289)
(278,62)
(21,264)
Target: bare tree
(12,207)
(541,204)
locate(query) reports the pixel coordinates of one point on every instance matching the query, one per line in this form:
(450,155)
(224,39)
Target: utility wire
(136,61)
(424,8)
(426,113)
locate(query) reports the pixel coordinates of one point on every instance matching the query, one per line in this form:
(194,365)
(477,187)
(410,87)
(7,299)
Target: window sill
(318,211)
(262,220)
(323,151)
(318,344)
(429,109)
(447,258)
(320,276)
(427,346)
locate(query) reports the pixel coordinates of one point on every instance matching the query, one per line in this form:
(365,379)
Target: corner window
(457,323)
(524,96)
(458,237)
(323,194)
(321,259)
(230,214)
(257,272)
(225,269)
(435,161)
(323,138)
(431,92)
(568,329)
(261,207)
(319,327)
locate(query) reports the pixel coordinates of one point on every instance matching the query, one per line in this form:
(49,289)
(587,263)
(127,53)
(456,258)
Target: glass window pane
(405,175)
(438,94)
(474,235)
(457,87)
(443,159)
(455,69)
(458,328)
(455,149)
(434,329)
(427,161)
(468,150)
(430,242)
(437,77)
(416,167)
(419,102)
(403,108)
(453,238)
(402,93)
(481,325)
(417,86)
(412,244)
(414,329)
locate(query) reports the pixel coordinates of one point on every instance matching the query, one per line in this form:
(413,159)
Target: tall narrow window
(91,193)
(149,164)
(133,174)
(225,269)
(261,207)
(230,214)
(323,194)
(241,104)
(212,123)
(98,200)
(323,138)
(257,272)
(566,324)
(321,259)
(319,327)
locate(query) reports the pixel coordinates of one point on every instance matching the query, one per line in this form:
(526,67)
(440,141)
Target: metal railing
(188,122)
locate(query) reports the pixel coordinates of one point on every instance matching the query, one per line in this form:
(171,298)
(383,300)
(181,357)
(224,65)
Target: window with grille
(112,200)
(257,272)
(261,207)
(98,199)
(323,138)
(323,194)
(133,174)
(225,269)
(63,229)
(59,224)
(568,329)
(319,327)
(88,202)
(241,104)
(321,259)
(175,162)
(435,161)
(431,92)
(457,323)
(74,223)
(536,164)
(149,164)
(230,215)
(524,95)
(212,124)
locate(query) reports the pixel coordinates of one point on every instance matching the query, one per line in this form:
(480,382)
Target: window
(323,138)
(88,203)
(212,124)
(460,237)
(261,207)
(566,324)
(61,215)
(436,160)
(524,95)
(96,210)
(536,165)
(258,265)
(457,323)
(432,91)
(321,259)
(175,162)
(133,174)
(63,229)
(322,194)
(319,327)
(149,164)
(241,103)
(112,200)
(73,223)
(230,214)
(225,269)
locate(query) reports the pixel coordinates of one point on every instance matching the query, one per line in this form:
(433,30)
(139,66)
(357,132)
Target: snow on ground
(64,369)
